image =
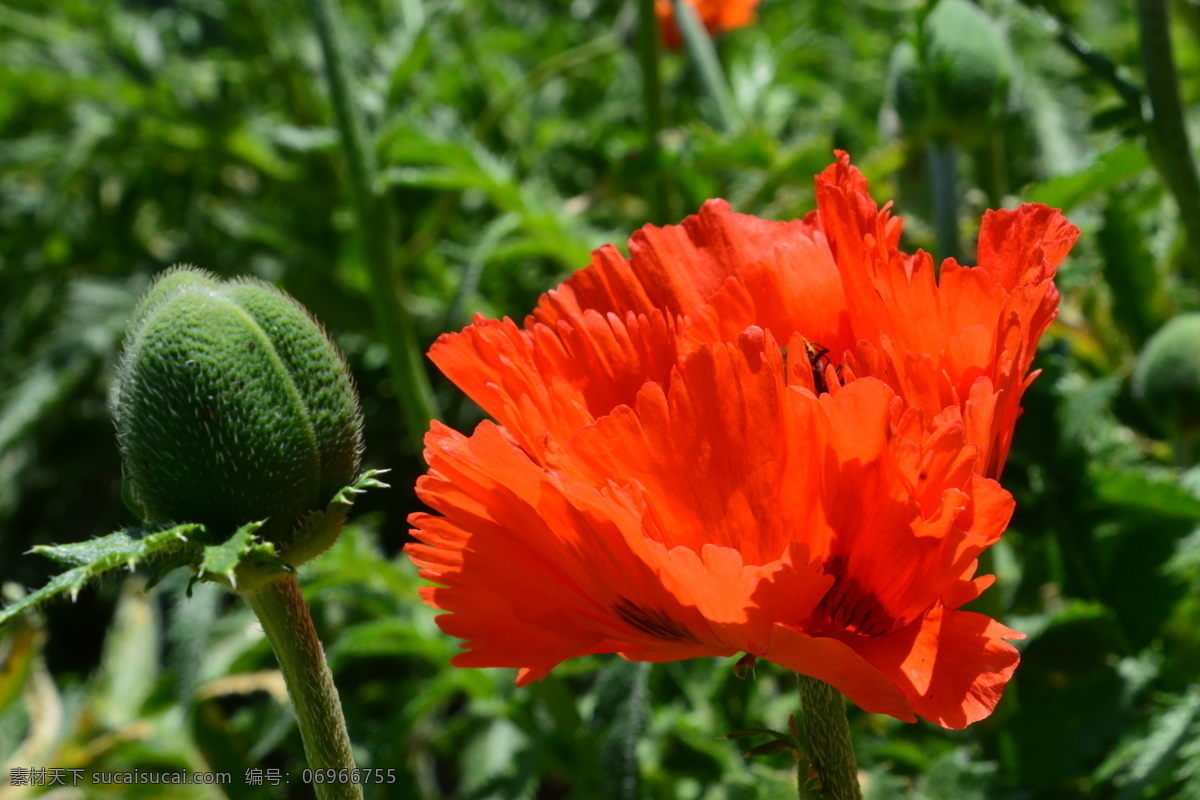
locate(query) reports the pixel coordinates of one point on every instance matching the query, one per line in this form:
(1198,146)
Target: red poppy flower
(717,16)
(667,481)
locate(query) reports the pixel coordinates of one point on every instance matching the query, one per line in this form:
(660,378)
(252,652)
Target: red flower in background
(717,16)
(668,481)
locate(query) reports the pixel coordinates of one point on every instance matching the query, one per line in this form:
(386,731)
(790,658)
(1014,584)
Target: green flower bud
(1167,374)
(232,405)
(968,59)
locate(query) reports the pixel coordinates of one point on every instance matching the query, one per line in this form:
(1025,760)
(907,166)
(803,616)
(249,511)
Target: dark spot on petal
(652,623)
(849,606)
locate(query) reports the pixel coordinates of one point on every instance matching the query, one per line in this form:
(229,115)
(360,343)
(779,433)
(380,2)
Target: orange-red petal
(952,666)
(549,381)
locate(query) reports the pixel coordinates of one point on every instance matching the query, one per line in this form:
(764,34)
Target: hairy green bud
(1167,374)
(232,405)
(954,78)
(968,60)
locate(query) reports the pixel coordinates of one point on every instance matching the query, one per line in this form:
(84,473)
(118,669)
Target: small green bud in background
(968,59)
(955,78)
(1166,379)
(232,405)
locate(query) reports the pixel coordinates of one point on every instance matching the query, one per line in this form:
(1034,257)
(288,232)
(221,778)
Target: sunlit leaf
(1109,171)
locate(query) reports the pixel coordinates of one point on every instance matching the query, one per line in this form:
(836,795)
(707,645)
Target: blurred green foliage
(509,140)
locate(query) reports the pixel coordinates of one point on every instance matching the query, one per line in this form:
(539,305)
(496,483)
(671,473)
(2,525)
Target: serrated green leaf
(1138,761)
(127,548)
(346,496)
(71,581)
(368,480)
(123,548)
(1189,771)
(317,532)
(956,775)
(224,559)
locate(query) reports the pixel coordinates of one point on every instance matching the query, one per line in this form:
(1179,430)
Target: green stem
(648,53)
(943,178)
(377,232)
(555,65)
(1168,135)
(830,749)
(1094,61)
(1184,445)
(289,627)
(704,56)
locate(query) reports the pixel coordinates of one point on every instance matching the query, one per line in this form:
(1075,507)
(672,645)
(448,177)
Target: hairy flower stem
(1167,133)
(647,41)
(830,751)
(289,627)
(376,231)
